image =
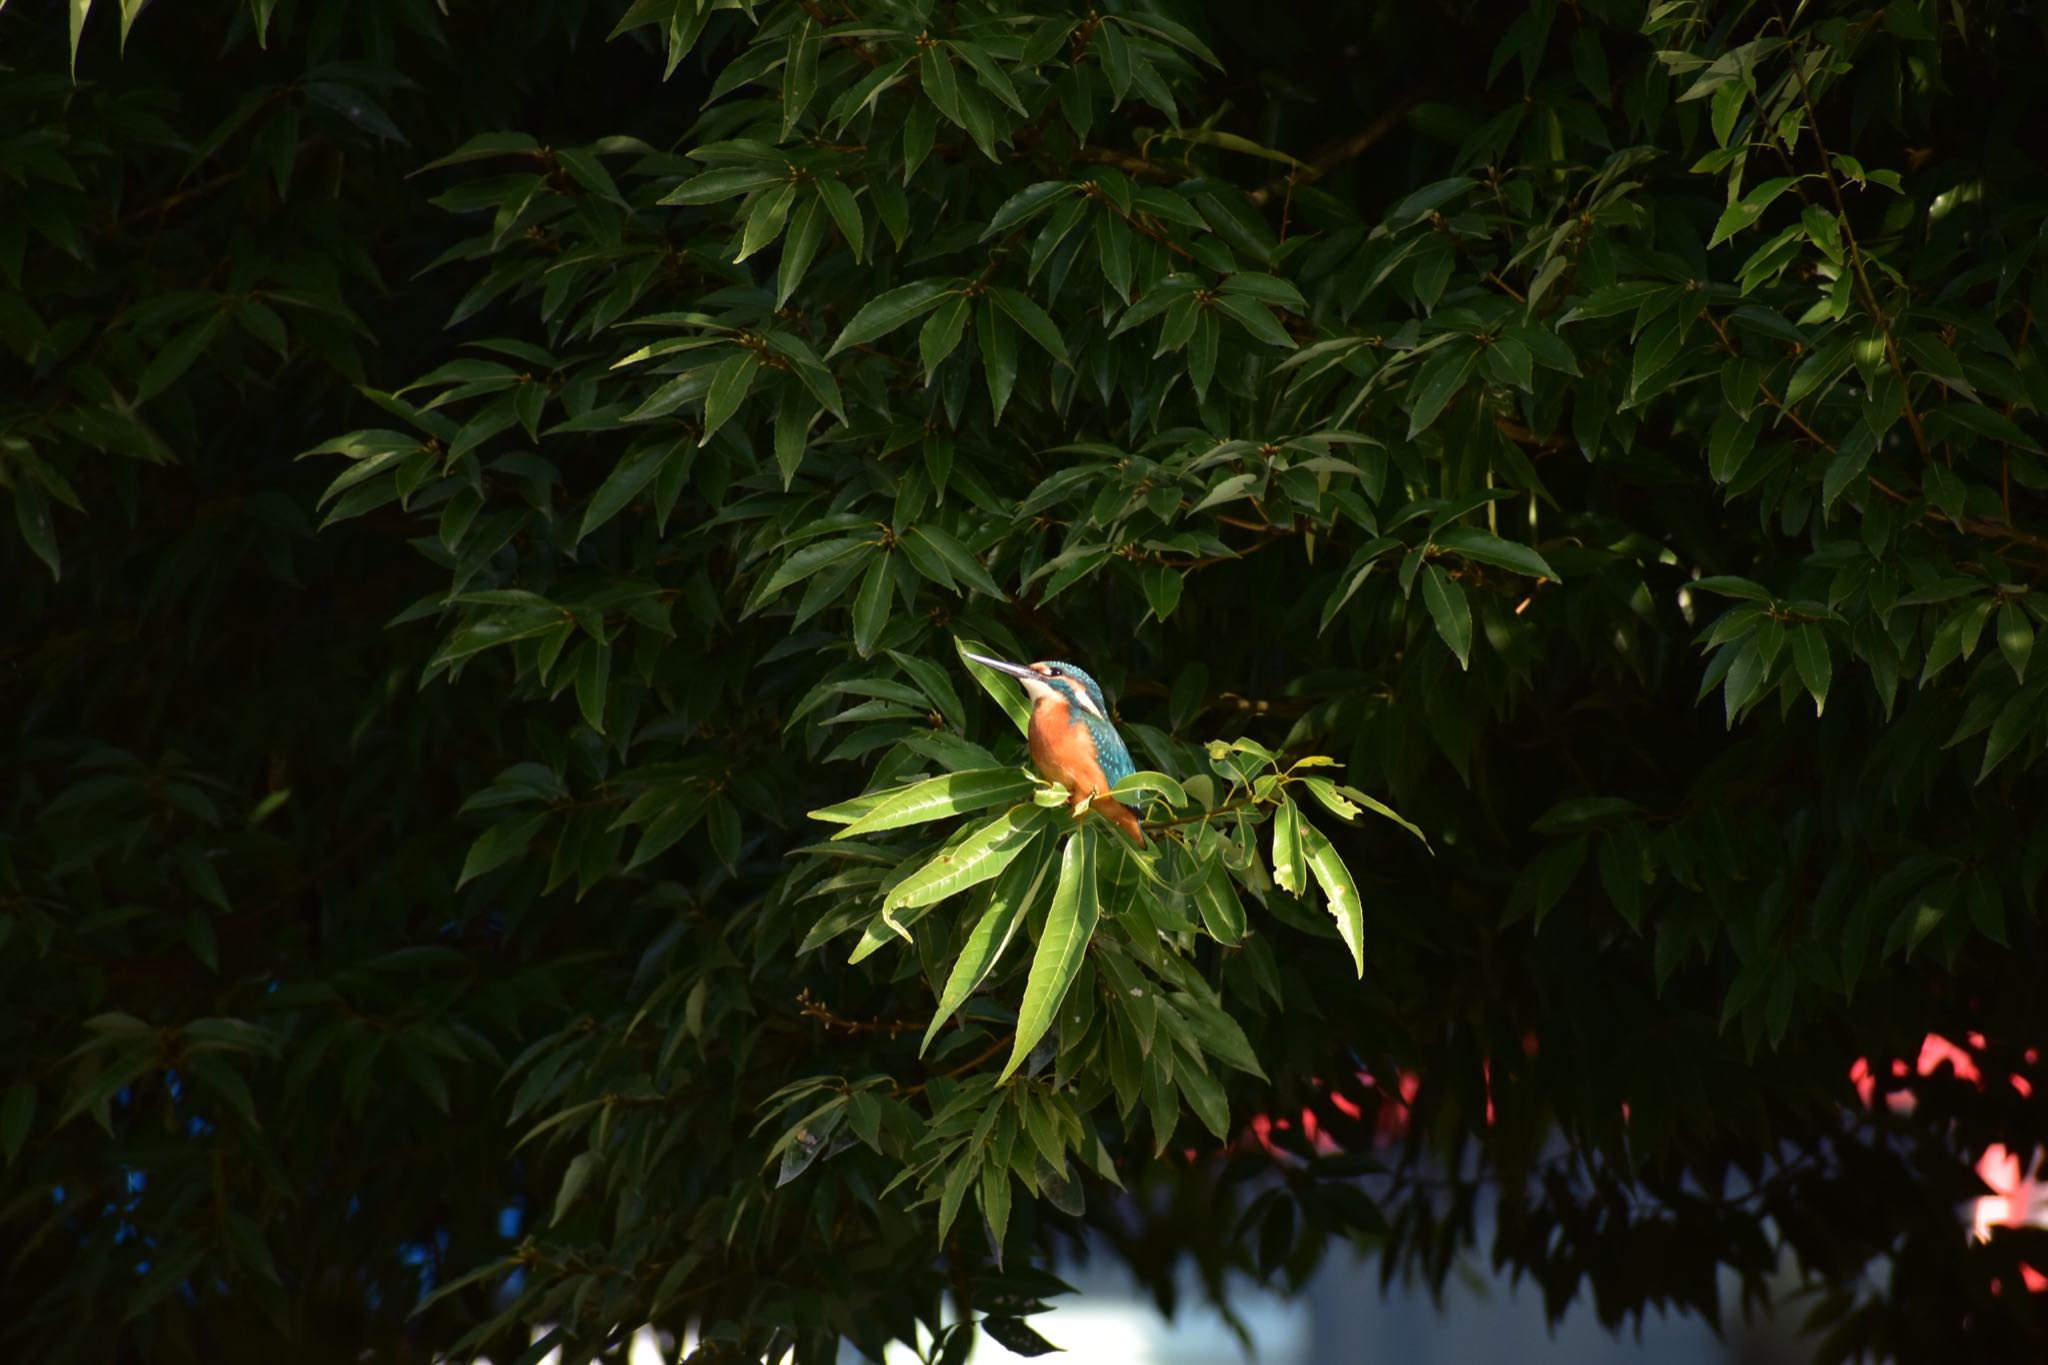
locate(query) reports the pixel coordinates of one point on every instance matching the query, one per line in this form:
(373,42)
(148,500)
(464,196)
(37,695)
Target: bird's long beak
(1014,670)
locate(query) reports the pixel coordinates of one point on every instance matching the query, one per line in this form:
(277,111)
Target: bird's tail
(1124,818)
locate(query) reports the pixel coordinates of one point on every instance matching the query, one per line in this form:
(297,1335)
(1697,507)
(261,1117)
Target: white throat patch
(1039,690)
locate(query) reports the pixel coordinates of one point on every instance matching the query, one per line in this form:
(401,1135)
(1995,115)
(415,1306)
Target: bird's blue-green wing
(1109,750)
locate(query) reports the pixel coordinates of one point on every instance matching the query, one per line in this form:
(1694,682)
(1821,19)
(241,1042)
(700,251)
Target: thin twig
(160,208)
(1127,162)
(905,1092)
(1224,809)
(1344,151)
(1765,389)
(1139,225)
(1870,303)
(1976,526)
(1506,288)
(812,1008)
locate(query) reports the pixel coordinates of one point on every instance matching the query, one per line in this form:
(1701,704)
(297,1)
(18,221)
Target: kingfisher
(1072,740)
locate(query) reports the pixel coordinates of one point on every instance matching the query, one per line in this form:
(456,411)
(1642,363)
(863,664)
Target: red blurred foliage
(2020,1194)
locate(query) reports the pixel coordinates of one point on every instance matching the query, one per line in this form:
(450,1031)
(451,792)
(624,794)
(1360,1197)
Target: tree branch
(1350,147)
(1870,303)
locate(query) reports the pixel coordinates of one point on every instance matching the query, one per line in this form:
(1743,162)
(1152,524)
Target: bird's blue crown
(1063,670)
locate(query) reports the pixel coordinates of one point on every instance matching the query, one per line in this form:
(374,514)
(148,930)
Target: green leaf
(1546,877)
(1254,317)
(1453,615)
(806,234)
(936,798)
(1268,288)
(2014,720)
(1427,199)
(1221,909)
(800,74)
(1387,812)
(960,560)
(1016,1336)
(1204,1094)
(1746,210)
(871,605)
(967,862)
(1163,585)
(1037,324)
(727,182)
(805,562)
(486,145)
(845,212)
(729,385)
(765,220)
(1929,353)
(941,334)
(941,83)
(998,343)
(1843,470)
(992,76)
(792,437)
(1180,36)
(587,170)
(593,682)
(1332,799)
(174,359)
(1011,900)
(1145,780)
(1027,204)
(1945,589)
(79,8)
(994,1193)
(38,528)
(936,685)
(17,1111)
(629,476)
(2015,638)
(1202,350)
(1005,690)
(1439,381)
(1290,869)
(1727,585)
(867,90)
(886,312)
(1491,549)
(498,845)
(574,1181)
(1985,422)
(1069,925)
(810,370)
(1810,656)
(1580,814)
(1339,889)
(1172,290)
(1113,243)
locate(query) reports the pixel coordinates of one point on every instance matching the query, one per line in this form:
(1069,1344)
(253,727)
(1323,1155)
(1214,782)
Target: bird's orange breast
(1064,751)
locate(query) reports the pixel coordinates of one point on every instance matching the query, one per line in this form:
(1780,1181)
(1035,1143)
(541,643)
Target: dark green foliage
(1611,432)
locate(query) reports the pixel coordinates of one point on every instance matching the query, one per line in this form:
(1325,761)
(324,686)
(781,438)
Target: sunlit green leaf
(969,862)
(1339,889)
(1015,892)
(938,797)
(1069,925)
